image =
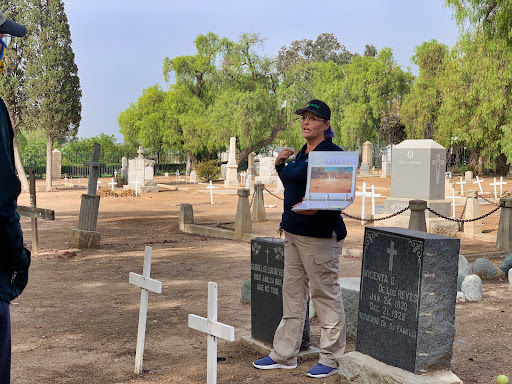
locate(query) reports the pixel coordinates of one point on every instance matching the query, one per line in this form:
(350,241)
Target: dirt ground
(77,320)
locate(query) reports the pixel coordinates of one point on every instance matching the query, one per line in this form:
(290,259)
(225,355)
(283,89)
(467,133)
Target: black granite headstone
(267,274)
(407,298)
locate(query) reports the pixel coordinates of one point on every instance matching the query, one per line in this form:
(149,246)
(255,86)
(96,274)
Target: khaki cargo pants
(315,261)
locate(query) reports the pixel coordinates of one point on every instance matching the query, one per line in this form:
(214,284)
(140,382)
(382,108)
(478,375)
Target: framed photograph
(331,181)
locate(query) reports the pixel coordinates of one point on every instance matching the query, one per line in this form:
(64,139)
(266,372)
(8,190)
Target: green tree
(477,97)
(325,48)
(32,144)
(52,85)
(145,122)
(493,17)
(368,91)
(13,77)
(420,107)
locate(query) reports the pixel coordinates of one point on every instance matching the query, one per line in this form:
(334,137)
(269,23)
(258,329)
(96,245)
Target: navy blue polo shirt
(294,178)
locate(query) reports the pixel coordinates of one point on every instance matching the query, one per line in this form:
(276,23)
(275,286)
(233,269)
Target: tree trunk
(501,165)
(474,155)
(49,148)
(19,165)
(191,160)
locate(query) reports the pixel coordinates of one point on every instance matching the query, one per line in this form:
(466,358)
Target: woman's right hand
(283,155)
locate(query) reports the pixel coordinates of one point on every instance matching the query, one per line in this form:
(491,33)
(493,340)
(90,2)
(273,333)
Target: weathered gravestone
(268,173)
(141,170)
(86,236)
(407,299)
(56,164)
(267,273)
(418,173)
(366,158)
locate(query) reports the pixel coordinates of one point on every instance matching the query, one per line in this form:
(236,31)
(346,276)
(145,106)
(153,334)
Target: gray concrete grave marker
(407,298)
(146,284)
(213,329)
(86,236)
(418,173)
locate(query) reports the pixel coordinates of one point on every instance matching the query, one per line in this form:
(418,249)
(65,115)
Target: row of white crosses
(208,325)
(501,183)
(364,194)
(479,181)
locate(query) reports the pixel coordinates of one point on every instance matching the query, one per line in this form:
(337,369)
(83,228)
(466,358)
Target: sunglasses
(311,118)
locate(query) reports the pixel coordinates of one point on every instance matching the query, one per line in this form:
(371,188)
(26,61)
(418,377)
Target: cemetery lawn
(77,320)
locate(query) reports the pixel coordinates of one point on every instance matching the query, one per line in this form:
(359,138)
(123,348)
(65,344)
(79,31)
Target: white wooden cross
(479,182)
(146,284)
(453,197)
(214,329)
(494,185)
(365,194)
(65,181)
(97,185)
(167,174)
(501,184)
(136,182)
(211,187)
(112,183)
(461,182)
(115,174)
(177,176)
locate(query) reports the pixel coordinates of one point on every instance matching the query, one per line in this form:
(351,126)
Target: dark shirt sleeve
(13,257)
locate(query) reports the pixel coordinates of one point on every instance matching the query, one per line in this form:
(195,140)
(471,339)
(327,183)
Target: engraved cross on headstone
(392,252)
(267,252)
(438,162)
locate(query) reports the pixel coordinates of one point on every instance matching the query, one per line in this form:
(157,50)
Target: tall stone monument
(231,167)
(406,316)
(56,164)
(366,158)
(251,169)
(418,174)
(141,171)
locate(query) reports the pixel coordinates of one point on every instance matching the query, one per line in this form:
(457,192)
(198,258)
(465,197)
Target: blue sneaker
(268,363)
(320,370)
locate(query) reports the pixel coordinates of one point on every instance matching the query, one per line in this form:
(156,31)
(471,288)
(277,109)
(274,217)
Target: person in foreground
(14,258)
(313,242)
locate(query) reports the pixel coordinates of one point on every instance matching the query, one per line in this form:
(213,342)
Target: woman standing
(313,241)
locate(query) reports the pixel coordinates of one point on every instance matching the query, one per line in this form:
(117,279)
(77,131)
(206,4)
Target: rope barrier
(372,219)
(273,194)
(464,220)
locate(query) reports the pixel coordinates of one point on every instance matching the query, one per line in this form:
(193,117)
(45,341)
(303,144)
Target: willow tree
(52,86)
(420,108)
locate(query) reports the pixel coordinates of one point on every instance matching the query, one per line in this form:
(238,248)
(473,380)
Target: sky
(120,45)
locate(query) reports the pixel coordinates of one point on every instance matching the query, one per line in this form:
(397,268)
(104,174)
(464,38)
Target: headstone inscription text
(267,273)
(389,301)
(407,298)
